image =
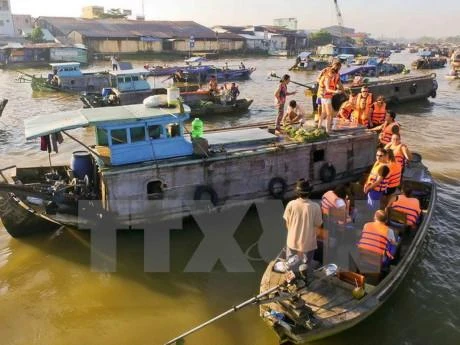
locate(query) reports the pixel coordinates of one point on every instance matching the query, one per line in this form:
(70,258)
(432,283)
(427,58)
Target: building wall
(90,12)
(6,19)
(208,45)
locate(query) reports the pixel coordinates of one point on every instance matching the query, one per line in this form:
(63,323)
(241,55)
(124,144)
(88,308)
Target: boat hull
(241,106)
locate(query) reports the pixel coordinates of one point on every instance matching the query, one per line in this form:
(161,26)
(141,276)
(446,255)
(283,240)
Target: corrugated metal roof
(130,28)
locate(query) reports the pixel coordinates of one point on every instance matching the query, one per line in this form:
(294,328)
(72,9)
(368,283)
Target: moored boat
(429,63)
(319,306)
(146,154)
(216,107)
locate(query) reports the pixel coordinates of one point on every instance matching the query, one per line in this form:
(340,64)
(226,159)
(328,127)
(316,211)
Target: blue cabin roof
(130,80)
(66,69)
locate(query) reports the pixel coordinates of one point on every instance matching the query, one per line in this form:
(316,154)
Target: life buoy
(413,89)
(202,191)
(327,172)
(277,187)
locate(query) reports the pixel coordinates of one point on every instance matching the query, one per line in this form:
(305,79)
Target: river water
(50,295)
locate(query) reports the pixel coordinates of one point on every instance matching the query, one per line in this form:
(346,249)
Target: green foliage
(37,35)
(305,135)
(320,38)
(113,13)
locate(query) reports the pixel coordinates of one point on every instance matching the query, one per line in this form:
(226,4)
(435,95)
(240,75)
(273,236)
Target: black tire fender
(202,190)
(277,187)
(433,94)
(327,172)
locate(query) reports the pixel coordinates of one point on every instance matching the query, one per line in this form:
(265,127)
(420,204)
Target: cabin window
(137,134)
(119,136)
(155,190)
(318,156)
(135,78)
(128,79)
(120,80)
(173,130)
(102,137)
(155,131)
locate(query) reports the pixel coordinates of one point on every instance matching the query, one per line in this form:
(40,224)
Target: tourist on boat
(294,115)
(393,178)
(388,128)
(362,112)
(377,180)
(280,99)
(242,66)
(378,238)
(114,61)
(346,109)
(332,86)
(234,93)
(335,203)
(213,86)
(400,150)
(408,205)
(320,91)
(178,76)
(303,218)
(378,112)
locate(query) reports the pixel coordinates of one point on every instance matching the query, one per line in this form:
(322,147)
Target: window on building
(137,134)
(155,190)
(119,136)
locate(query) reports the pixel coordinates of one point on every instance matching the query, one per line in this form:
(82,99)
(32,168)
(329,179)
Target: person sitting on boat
(377,180)
(178,76)
(303,218)
(55,80)
(400,150)
(408,205)
(378,238)
(334,203)
(362,112)
(378,111)
(393,178)
(388,128)
(242,66)
(213,86)
(225,95)
(294,115)
(234,93)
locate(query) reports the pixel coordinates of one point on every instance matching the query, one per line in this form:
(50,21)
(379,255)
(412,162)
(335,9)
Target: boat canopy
(47,124)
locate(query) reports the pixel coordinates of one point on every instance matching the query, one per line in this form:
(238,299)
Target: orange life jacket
(334,79)
(394,177)
(374,238)
(386,134)
(362,109)
(346,110)
(409,206)
(378,114)
(374,175)
(328,201)
(399,156)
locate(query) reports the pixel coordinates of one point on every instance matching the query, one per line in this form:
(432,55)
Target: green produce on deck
(305,135)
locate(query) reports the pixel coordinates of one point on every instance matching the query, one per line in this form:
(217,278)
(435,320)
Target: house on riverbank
(124,36)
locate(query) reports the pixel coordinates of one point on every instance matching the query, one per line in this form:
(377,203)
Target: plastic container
(173,93)
(82,164)
(154,101)
(197,128)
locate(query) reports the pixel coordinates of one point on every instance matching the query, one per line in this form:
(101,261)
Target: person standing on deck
(400,150)
(114,62)
(379,110)
(303,218)
(332,86)
(362,111)
(213,86)
(280,99)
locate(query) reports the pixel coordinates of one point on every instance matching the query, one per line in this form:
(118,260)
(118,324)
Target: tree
(320,38)
(37,35)
(113,13)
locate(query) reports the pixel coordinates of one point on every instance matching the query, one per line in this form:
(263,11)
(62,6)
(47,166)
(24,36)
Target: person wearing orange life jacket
(377,180)
(388,128)
(379,110)
(408,205)
(320,91)
(362,111)
(400,150)
(393,178)
(347,107)
(377,237)
(332,86)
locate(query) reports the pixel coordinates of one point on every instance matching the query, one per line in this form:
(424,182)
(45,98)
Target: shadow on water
(5,136)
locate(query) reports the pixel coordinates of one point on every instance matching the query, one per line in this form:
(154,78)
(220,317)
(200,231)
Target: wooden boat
(146,154)
(455,60)
(205,108)
(314,308)
(429,63)
(68,77)
(3,102)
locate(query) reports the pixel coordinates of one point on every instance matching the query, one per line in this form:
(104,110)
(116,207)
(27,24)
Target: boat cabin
(124,136)
(129,80)
(66,69)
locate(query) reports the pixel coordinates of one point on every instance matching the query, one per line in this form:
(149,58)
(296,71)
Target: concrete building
(92,12)
(6,19)
(288,23)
